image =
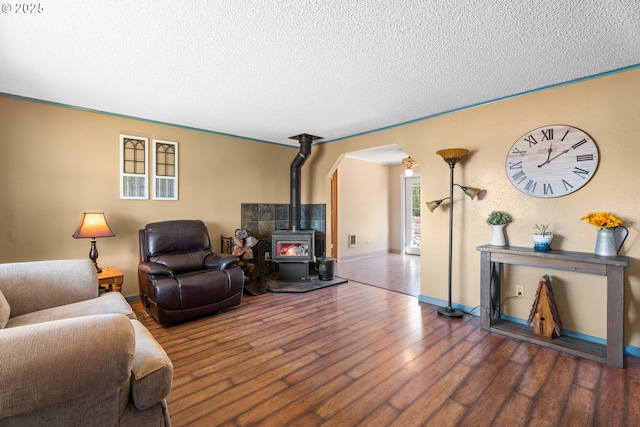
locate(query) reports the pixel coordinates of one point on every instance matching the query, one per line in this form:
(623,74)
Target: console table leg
(495,289)
(615,316)
(485,290)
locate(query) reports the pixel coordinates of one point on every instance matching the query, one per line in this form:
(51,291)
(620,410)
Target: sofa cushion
(49,368)
(37,285)
(107,303)
(5,311)
(152,370)
(181,262)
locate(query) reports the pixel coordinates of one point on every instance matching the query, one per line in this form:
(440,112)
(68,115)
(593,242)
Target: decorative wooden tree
(544,312)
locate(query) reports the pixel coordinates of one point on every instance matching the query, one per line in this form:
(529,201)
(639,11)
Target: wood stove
(293,250)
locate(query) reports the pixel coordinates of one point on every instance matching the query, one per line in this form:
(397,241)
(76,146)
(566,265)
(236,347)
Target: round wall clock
(552,161)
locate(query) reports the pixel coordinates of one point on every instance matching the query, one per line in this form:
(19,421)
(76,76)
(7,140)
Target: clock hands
(548,156)
(550,159)
(560,154)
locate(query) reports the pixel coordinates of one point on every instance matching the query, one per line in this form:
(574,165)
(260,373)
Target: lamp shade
(433,205)
(470,191)
(452,155)
(92,225)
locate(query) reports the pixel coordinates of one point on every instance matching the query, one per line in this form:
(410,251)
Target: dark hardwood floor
(354,354)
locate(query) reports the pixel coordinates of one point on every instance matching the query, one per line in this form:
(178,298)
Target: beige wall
(364,197)
(60,162)
(395,185)
(607,108)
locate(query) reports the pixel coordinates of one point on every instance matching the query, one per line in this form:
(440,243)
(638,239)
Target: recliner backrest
(181,245)
(175,236)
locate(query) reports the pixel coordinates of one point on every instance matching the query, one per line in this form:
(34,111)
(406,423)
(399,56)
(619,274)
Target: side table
(111,278)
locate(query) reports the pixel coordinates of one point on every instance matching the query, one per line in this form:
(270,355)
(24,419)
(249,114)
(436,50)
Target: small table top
(109,272)
(111,278)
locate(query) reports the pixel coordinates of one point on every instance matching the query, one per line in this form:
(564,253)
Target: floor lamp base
(449,312)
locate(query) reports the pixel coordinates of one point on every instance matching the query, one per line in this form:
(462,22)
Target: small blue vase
(542,243)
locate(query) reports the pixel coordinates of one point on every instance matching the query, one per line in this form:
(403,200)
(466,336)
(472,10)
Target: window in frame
(134,170)
(165,170)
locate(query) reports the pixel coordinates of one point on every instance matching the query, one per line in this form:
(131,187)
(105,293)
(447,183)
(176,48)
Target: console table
(493,257)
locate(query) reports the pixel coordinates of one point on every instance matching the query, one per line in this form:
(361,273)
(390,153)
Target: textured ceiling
(267,70)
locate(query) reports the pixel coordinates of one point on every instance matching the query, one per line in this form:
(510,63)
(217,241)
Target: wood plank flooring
(357,355)
(396,272)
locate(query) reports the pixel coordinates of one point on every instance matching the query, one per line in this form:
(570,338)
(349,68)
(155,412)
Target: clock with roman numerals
(552,161)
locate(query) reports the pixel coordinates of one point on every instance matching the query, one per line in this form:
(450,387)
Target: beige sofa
(69,357)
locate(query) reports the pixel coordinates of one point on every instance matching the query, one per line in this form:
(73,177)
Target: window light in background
(93,225)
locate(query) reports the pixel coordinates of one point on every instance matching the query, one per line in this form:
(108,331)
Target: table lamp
(93,225)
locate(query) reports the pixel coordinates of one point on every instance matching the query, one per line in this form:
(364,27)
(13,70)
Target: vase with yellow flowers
(611,232)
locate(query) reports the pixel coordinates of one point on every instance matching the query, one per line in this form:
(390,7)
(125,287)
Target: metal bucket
(326,267)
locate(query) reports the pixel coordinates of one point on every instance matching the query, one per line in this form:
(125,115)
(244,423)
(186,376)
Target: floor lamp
(451,156)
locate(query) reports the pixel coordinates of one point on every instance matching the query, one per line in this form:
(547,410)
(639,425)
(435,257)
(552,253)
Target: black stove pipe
(295,208)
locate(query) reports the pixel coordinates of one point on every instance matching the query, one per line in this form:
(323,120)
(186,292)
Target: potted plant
(542,237)
(498,219)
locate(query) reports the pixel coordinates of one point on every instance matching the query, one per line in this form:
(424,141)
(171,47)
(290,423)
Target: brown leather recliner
(180,277)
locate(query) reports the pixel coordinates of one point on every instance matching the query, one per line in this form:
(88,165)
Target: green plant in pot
(542,238)
(498,220)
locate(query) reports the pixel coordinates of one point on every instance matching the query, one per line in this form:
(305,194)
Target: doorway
(355,231)
(411,208)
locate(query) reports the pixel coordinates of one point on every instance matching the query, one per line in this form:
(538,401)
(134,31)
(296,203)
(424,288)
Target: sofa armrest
(152,371)
(155,269)
(219,261)
(53,362)
(38,285)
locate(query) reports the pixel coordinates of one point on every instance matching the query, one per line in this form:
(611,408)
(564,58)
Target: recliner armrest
(219,261)
(154,269)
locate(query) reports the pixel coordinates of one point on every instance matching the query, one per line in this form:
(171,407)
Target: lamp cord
(504,300)
(501,304)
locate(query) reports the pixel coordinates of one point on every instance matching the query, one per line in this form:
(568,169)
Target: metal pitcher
(610,240)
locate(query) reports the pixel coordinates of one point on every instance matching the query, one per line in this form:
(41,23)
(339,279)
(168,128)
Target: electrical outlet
(520,291)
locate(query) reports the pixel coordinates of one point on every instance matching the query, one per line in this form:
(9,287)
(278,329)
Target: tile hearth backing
(262,219)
